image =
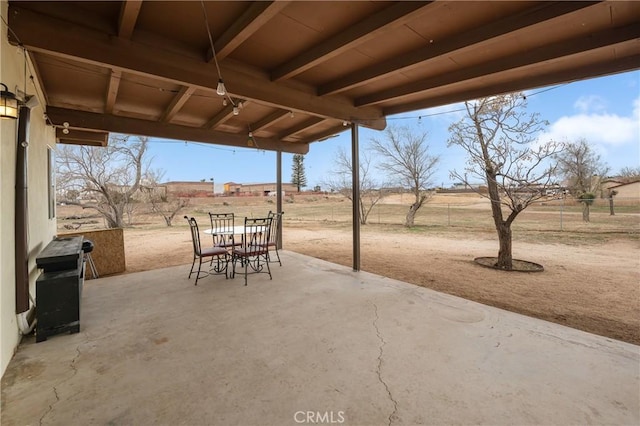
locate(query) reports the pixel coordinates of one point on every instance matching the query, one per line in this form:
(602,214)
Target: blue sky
(605,111)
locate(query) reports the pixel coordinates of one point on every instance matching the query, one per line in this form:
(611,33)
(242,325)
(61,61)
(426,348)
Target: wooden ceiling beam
(112,90)
(325,134)
(128,16)
(564,48)
(82,137)
(606,67)
(392,17)
(134,126)
(269,120)
(258,14)
(177,103)
(478,35)
(42,34)
(220,117)
(306,124)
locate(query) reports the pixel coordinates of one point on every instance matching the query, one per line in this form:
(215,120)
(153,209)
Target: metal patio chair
(220,254)
(254,252)
(274,234)
(222,230)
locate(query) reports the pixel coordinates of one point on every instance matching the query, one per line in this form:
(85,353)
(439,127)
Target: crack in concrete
(55,388)
(379,369)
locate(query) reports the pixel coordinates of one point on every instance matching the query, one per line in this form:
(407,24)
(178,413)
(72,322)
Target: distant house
(244,189)
(630,190)
(189,189)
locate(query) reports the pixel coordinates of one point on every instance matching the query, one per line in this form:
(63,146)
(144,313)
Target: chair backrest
(222,223)
(195,234)
(256,233)
(276,222)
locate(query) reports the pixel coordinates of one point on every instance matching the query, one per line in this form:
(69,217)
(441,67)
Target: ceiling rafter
(513,85)
(112,90)
(135,126)
(306,124)
(225,114)
(269,120)
(325,134)
(41,34)
(541,54)
(177,103)
(36,71)
(258,14)
(478,35)
(128,16)
(82,137)
(393,16)
(80,48)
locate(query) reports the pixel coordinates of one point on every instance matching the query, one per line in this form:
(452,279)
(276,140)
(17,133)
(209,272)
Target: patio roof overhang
(302,70)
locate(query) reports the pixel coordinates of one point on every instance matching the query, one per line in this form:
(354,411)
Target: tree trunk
(585,212)
(363,213)
(611,212)
(503,228)
(411,215)
(505,258)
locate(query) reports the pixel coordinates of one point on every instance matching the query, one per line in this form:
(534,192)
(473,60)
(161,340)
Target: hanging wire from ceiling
(221,88)
(23,50)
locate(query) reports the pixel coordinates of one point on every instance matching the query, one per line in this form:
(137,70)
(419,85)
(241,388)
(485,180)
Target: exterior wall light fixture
(8,103)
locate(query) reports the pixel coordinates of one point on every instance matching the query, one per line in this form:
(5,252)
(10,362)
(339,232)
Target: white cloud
(596,127)
(591,103)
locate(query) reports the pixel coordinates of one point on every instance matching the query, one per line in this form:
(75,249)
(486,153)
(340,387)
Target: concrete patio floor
(318,344)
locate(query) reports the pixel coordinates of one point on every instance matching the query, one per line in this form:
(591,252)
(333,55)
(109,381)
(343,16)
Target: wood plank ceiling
(300,71)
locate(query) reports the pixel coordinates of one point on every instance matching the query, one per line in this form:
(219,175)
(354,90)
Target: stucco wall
(629,191)
(41,228)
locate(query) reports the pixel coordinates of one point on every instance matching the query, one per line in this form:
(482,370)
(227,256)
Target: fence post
(448,214)
(561,210)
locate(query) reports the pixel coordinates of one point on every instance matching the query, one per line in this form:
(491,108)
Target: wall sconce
(8,103)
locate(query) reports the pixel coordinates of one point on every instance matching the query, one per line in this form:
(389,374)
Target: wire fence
(549,215)
(444,213)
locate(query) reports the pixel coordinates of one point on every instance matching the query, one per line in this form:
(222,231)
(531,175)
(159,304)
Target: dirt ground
(592,287)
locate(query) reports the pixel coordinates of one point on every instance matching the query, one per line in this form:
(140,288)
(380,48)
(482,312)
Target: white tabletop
(237,230)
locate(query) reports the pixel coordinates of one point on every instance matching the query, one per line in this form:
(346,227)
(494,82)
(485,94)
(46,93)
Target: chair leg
(246,263)
(192,265)
(278,254)
(268,268)
(233,265)
(199,268)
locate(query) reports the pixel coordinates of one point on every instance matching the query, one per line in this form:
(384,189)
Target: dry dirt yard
(592,287)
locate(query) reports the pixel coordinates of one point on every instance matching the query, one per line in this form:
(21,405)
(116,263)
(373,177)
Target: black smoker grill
(59,287)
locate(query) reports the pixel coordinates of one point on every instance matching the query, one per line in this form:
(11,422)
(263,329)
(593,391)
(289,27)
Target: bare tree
(406,160)
(500,140)
(162,203)
(583,170)
(341,181)
(629,174)
(109,175)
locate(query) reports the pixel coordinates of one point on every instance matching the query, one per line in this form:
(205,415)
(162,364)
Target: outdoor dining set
(250,244)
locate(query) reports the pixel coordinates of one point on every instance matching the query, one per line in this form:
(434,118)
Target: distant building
(189,189)
(245,189)
(630,190)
